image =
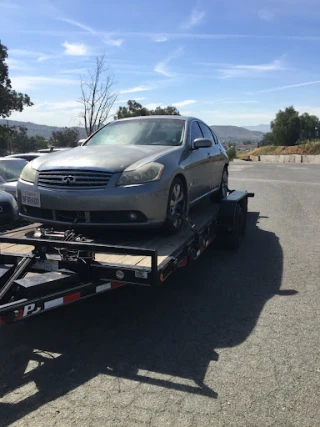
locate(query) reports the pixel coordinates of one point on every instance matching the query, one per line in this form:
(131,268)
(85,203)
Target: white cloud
(240,102)
(159,38)
(266,15)
(276,89)
(245,70)
(162,66)
(74,71)
(56,117)
(63,105)
(15,64)
(74,49)
(308,109)
(136,89)
(8,4)
(106,38)
(153,106)
(184,103)
(33,54)
(23,83)
(44,57)
(25,52)
(226,117)
(195,18)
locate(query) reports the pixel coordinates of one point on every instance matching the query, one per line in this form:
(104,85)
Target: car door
(215,156)
(197,165)
(220,159)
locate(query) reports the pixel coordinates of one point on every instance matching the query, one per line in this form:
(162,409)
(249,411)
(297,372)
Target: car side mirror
(202,143)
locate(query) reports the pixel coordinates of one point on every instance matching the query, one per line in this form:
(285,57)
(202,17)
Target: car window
(151,131)
(216,141)
(195,131)
(10,170)
(206,132)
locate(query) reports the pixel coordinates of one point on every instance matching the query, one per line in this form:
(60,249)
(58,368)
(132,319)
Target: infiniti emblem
(68,179)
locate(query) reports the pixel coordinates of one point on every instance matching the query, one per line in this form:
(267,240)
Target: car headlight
(28,173)
(146,173)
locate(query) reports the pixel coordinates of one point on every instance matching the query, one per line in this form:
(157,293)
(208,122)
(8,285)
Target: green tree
(232,152)
(10,100)
(68,137)
(6,133)
(308,126)
(134,109)
(19,140)
(286,127)
(266,140)
(37,142)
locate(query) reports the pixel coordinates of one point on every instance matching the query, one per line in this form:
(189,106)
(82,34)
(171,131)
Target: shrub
(232,153)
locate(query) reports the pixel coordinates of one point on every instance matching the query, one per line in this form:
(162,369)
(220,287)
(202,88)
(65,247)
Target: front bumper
(109,207)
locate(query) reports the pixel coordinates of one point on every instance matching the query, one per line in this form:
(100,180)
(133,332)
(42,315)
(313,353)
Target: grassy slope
(307,148)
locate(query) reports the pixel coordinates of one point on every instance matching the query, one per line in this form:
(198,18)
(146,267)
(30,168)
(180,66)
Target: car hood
(114,157)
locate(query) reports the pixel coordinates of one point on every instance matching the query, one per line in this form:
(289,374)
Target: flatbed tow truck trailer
(42,269)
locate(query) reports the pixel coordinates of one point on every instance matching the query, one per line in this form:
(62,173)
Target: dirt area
(308,148)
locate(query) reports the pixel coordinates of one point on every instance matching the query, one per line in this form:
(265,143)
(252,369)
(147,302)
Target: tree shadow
(165,337)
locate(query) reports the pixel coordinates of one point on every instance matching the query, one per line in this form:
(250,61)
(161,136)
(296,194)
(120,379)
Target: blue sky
(228,62)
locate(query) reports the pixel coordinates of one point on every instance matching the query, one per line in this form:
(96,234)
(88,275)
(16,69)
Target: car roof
(22,154)
(169,116)
(12,159)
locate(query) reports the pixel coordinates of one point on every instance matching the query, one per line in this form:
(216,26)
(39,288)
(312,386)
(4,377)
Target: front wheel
(177,206)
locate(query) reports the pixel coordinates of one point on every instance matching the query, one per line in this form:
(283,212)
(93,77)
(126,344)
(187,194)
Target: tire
(244,207)
(231,240)
(223,189)
(177,206)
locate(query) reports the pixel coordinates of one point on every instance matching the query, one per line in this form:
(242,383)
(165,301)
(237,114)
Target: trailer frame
(61,268)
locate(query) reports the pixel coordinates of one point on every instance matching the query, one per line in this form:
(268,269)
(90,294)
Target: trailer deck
(164,245)
(42,268)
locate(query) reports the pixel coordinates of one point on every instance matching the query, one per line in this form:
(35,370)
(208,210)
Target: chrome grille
(74,179)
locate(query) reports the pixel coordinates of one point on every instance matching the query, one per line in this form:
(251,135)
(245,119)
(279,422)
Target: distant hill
(41,130)
(236,134)
(225,133)
(261,128)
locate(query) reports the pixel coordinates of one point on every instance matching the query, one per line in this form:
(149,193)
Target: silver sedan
(136,172)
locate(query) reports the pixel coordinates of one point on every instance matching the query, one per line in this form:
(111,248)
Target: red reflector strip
(116,284)
(19,314)
(108,285)
(2,322)
(183,262)
(62,300)
(71,297)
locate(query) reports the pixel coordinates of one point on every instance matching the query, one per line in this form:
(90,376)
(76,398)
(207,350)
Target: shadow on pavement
(166,337)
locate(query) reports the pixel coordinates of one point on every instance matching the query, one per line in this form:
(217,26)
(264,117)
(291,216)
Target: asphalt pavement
(233,340)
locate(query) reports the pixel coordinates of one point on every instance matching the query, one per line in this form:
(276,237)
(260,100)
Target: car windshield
(10,170)
(141,132)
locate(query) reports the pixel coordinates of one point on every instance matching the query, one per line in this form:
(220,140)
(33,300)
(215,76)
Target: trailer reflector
(71,297)
(53,303)
(103,287)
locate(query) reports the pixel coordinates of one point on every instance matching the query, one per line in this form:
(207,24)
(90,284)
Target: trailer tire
(230,239)
(244,207)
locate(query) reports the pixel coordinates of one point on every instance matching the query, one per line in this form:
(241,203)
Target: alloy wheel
(177,204)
